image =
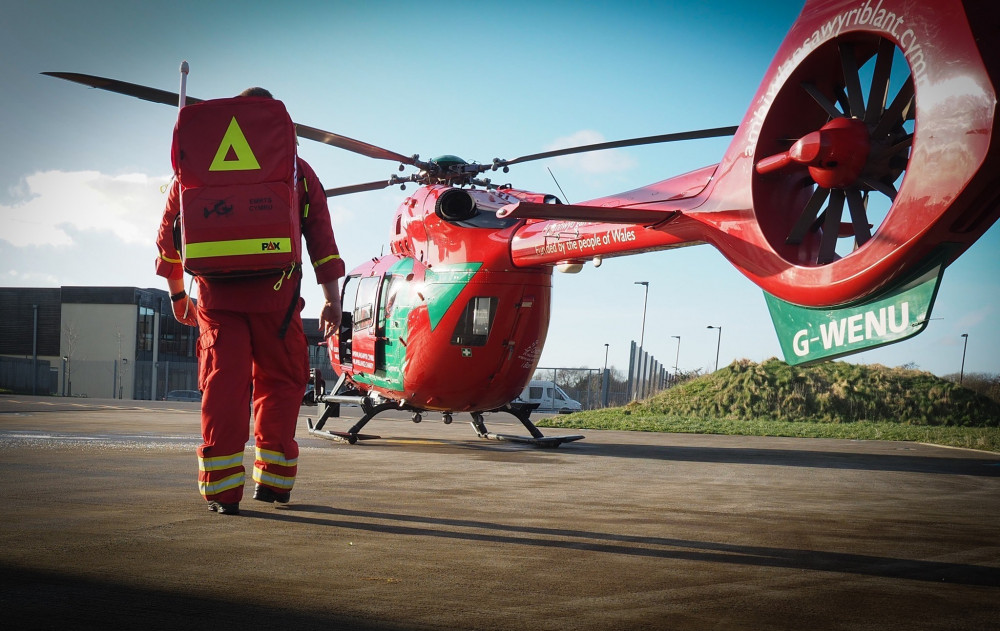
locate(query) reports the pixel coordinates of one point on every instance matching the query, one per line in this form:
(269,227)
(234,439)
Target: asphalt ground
(432,527)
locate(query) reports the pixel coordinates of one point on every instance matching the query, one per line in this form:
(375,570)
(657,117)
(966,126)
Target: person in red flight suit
(241,351)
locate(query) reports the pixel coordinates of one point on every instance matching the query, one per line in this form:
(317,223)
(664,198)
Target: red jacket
(259,294)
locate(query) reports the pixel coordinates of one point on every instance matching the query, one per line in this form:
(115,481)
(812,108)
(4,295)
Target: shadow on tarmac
(982,466)
(945,465)
(33,599)
(656,547)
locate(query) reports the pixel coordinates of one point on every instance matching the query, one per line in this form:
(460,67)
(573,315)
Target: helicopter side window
(364,308)
(348,300)
(473,327)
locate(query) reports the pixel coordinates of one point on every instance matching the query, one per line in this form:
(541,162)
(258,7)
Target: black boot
(224,509)
(264,494)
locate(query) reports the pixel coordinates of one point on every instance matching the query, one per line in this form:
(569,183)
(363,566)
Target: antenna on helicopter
(565,198)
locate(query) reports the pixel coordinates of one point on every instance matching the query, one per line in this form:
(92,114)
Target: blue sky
(81,169)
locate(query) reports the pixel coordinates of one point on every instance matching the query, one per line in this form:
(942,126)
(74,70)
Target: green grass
(831,400)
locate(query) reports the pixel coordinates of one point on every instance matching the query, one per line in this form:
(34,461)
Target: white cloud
(606,161)
(53,205)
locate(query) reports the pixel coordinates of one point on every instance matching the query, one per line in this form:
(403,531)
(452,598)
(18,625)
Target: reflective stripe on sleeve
(329,258)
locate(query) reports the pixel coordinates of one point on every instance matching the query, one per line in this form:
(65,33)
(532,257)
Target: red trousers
(241,355)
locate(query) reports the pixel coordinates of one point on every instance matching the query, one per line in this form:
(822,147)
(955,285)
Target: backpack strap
(291,308)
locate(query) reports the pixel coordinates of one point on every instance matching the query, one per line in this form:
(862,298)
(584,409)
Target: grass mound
(829,400)
(831,392)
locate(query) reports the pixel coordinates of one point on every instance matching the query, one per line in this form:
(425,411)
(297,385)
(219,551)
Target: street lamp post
(605,379)
(642,334)
(961,375)
(678,357)
(717,346)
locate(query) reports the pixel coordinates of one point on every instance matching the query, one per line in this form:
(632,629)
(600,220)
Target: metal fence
(28,376)
(595,388)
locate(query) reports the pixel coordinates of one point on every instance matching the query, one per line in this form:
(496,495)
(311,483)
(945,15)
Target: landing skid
(522,412)
(344,393)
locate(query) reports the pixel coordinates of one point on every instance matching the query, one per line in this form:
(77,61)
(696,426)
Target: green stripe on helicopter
(443,284)
(441,287)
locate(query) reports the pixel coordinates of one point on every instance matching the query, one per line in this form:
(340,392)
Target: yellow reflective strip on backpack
(238,247)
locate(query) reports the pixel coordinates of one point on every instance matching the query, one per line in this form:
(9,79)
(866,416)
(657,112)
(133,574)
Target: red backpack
(236,163)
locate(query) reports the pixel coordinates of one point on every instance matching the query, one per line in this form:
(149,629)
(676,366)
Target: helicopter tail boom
(569,212)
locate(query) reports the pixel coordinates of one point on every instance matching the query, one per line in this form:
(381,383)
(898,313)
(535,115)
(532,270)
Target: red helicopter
(885,110)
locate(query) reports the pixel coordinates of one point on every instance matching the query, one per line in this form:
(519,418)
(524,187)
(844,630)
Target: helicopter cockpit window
(473,327)
(364,308)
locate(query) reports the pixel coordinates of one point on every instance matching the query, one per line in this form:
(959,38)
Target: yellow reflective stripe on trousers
(237,247)
(277,481)
(274,457)
(329,258)
(218,486)
(220,462)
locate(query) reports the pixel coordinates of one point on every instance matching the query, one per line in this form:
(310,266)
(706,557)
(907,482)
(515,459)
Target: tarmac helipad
(434,528)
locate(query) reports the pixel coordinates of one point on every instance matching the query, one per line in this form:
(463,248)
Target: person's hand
(329,318)
(186,311)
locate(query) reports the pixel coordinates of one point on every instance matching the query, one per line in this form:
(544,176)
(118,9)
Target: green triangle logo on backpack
(234,140)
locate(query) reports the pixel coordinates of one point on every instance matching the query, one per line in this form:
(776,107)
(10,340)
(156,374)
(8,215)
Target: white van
(549,397)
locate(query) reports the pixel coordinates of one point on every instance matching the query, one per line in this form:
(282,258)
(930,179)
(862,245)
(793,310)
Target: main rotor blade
(715,132)
(171,98)
(123,87)
(358,188)
(350,144)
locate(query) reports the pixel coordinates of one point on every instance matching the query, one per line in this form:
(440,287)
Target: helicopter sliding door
(345,332)
(363,325)
(389,352)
